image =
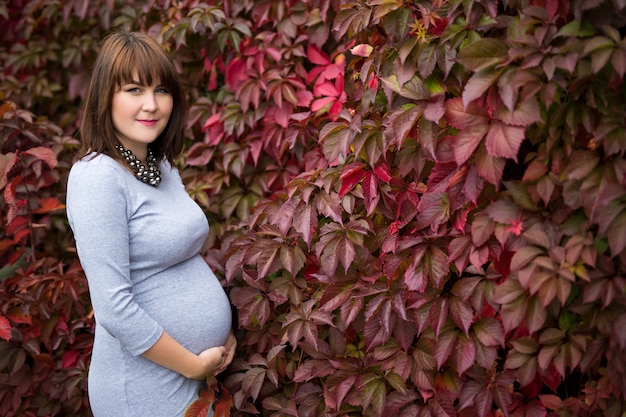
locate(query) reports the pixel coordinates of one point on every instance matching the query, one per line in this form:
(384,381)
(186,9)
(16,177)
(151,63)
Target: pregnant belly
(190,303)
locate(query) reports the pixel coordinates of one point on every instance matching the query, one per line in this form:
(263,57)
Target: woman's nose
(149,102)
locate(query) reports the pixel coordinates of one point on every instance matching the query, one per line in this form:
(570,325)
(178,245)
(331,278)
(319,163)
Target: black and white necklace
(150,175)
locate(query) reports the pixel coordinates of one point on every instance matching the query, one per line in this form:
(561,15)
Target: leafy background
(418,208)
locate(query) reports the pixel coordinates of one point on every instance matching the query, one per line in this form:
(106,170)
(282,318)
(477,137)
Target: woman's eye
(162,90)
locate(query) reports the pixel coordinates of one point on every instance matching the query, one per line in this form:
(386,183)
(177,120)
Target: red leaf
(44,154)
(326,89)
(371,196)
(465,354)
(312,368)
(351,175)
(341,389)
(403,122)
(443,347)
(329,256)
(616,235)
(489,332)
(236,73)
(382,172)
(292,258)
(463,118)
(503,211)
(18,315)
(434,209)
(527,113)
(483,402)
(346,251)
(329,205)
(504,140)
(481,230)
(553,402)
(316,56)
(70,358)
(7,161)
(5,328)
(305,221)
(48,205)
(224,403)
(252,381)
(335,296)
(461,313)
(285,216)
(466,142)
(488,167)
(304,98)
(479,83)
(532,409)
(201,406)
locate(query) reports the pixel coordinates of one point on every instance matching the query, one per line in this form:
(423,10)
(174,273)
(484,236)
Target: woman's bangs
(144,64)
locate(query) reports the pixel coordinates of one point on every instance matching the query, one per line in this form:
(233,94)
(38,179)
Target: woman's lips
(147,122)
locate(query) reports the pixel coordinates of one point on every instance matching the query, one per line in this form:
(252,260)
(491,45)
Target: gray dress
(139,246)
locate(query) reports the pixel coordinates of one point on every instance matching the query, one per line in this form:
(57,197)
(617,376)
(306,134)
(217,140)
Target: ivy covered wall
(418,208)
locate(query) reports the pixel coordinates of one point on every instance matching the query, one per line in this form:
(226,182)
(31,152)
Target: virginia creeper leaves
(422,202)
(5,328)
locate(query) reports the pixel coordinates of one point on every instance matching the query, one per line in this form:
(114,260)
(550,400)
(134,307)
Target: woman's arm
(170,354)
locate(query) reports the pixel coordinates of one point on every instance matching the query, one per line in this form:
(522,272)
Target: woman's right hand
(210,361)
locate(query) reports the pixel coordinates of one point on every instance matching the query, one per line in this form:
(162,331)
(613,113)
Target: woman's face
(140,113)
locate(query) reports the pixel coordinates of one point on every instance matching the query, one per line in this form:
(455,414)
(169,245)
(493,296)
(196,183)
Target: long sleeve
(99,210)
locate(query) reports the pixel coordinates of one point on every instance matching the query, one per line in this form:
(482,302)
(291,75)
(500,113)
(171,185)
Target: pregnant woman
(163,320)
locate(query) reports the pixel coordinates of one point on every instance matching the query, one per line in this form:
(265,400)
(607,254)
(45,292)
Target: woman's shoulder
(96,168)
(95,161)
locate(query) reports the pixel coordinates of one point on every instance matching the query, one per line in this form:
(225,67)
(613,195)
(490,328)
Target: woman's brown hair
(122,55)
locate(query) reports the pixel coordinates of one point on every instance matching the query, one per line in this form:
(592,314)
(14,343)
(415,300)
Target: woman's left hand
(230,346)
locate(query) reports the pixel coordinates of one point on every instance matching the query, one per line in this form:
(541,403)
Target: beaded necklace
(150,175)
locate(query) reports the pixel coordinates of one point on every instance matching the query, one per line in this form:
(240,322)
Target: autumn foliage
(418,208)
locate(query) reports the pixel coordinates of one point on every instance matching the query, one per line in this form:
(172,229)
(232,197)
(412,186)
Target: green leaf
(482,54)
(576,29)
(398,21)
(373,392)
(596,43)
